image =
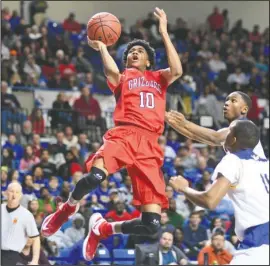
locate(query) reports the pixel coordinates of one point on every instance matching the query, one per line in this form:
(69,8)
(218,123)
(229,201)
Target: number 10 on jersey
(147,100)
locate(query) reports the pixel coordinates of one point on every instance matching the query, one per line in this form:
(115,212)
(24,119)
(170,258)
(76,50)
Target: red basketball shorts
(138,151)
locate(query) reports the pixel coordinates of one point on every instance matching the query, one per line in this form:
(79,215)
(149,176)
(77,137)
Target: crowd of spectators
(217,59)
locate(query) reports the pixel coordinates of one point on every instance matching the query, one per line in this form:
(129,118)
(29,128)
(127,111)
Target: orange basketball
(104,27)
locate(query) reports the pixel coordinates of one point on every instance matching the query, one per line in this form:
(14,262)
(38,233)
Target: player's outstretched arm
(192,131)
(207,199)
(110,68)
(175,70)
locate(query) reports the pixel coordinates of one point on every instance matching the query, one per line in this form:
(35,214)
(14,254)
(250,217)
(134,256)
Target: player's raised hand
(178,183)
(162,17)
(174,118)
(95,44)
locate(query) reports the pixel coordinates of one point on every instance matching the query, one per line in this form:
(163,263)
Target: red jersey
(141,99)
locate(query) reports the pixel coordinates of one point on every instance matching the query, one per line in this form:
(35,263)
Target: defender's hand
(174,118)
(96,45)
(178,183)
(162,17)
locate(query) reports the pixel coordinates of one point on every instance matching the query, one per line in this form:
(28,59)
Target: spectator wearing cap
(217,255)
(77,231)
(88,109)
(71,25)
(119,214)
(18,224)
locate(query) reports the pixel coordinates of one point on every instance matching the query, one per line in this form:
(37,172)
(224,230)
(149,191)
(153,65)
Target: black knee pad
(151,221)
(89,182)
(94,177)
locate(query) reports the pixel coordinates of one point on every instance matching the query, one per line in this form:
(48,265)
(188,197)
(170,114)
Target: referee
(17,225)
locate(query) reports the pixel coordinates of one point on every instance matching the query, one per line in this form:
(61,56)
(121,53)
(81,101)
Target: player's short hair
(245,98)
(149,50)
(247,134)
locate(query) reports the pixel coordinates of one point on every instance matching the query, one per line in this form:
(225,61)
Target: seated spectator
(27,255)
(175,218)
(31,68)
(14,146)
(28,186)
(77,231)
(71,25)
(173,141)
(38,121)
(84,146)
(163,253)
(7,158)
(71,165)
(89,109)
(119,214)
(66,188)
(194,234)
(54,186)
(218,224)
(216,252)
(48,168)
(187,161)
(237,77)
(33,207)
(205,53)
(165,226)
(102,192)
(81,63)
(61,112)
(46,202)
(14,176)
(216,64)
(57,82)
(36,145)
(4,180)
(29,159)
(26,136)
(204,183)
(70,139)
(169,152)
(179,242)
(39,180)
(60,146)
(114,198)
(10,108)
(95,205)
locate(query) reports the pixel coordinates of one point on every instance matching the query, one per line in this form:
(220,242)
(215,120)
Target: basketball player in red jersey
(133,143)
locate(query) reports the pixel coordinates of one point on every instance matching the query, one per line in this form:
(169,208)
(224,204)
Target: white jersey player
(236,107)
(244,176)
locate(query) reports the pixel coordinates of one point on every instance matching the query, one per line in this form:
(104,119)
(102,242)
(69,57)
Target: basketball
(104,27)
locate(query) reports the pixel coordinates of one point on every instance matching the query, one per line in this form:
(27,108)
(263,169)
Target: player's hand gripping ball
(103,27)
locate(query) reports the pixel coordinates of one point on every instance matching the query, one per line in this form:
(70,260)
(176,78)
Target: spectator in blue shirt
(194,234)
(17,148)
